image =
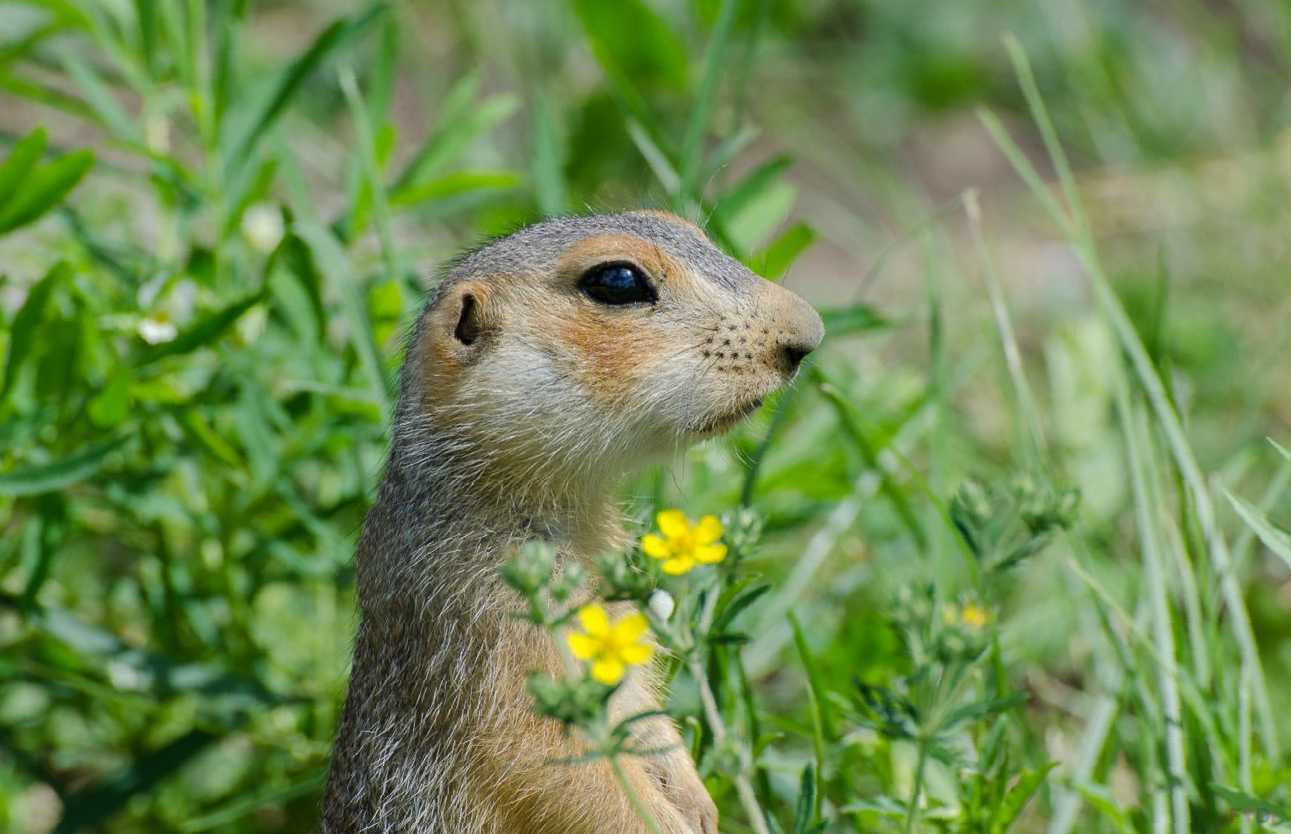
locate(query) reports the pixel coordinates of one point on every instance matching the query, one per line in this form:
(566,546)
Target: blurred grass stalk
(1171,810)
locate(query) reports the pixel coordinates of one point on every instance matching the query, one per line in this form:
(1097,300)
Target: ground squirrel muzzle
(545,365)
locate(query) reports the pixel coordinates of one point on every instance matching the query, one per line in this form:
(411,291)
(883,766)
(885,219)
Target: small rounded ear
(461,321)
(468,320)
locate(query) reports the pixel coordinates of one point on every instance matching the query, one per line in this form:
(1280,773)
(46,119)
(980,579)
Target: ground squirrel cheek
(613,355)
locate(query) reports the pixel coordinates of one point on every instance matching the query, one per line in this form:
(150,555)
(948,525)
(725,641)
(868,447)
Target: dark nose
(792,354)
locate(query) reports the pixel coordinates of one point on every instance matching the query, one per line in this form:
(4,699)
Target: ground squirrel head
(575,347)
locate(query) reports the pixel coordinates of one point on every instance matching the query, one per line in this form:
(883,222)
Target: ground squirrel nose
(792,354)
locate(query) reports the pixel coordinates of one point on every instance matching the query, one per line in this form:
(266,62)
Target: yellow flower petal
(710,554)
(608,671)
(678,566)
(655,547)
(637,653)
(708,530)
(629,629)
(673,523)
(594,620)
(583,647)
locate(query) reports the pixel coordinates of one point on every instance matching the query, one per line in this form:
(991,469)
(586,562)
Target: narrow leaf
(59,474)
(25,325)
(1274,539)
(19,163)
(44,188)
(1017,798)
(774,261)
(204,332)
(293,77)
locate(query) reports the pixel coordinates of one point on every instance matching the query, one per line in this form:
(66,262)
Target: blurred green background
(217,218)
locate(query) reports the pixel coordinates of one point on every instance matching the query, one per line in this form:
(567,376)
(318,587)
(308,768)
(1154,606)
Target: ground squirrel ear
(468,321)
(462,320)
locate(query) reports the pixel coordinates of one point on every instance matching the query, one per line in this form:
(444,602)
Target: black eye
(617,283)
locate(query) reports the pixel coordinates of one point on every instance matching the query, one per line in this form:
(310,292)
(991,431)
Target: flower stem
(916,793)
(635,801)
(743,787)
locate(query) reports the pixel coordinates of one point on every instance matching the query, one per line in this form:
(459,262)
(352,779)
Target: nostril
(793,354)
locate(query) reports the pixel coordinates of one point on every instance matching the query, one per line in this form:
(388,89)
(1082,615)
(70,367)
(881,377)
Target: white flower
(662,604)
(262,225)
(157,330)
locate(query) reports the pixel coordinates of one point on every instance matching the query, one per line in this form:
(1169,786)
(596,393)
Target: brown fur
(519,432)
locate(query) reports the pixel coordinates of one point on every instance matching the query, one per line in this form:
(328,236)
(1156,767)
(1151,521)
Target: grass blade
(340,32)
(548,161)
(692,148)
(59,474)
(1147,377)
(1278,542)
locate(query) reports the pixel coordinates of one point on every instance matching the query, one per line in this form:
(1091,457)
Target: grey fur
(428,682)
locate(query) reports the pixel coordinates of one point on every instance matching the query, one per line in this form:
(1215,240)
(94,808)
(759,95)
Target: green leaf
(1007,812)
(44,188)
(90,807)
(857,318)
(102,101)
(204,332)
(804,808)
(980,709)
(742,600)
(332,262)
(1245,803)
(631,41)
(59,474)
(18,164)
(820,724)
(111,406)
(238,151)
(774,261)
(1274,539)
(26,323)
(548,160)
(462,121)
(692,151)
(145,12)
(1101,800)
(244,805)
(751,188)
(452,185)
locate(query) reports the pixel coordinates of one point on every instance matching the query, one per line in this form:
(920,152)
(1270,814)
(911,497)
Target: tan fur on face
(600,249)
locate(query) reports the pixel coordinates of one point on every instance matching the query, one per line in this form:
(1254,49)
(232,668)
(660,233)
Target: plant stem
(635,801)
(916,792)
(743,787)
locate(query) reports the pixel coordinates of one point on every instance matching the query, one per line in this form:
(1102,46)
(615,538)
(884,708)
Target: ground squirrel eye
(617,283)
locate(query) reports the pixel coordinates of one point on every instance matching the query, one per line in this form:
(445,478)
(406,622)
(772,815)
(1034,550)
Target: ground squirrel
(544,366)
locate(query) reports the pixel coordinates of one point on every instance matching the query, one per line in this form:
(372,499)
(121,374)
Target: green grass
(1023,519)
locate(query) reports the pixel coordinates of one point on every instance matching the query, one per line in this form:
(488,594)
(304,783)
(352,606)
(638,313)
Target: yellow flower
(611,647)
(683,544)
(974,616)
(970,614)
